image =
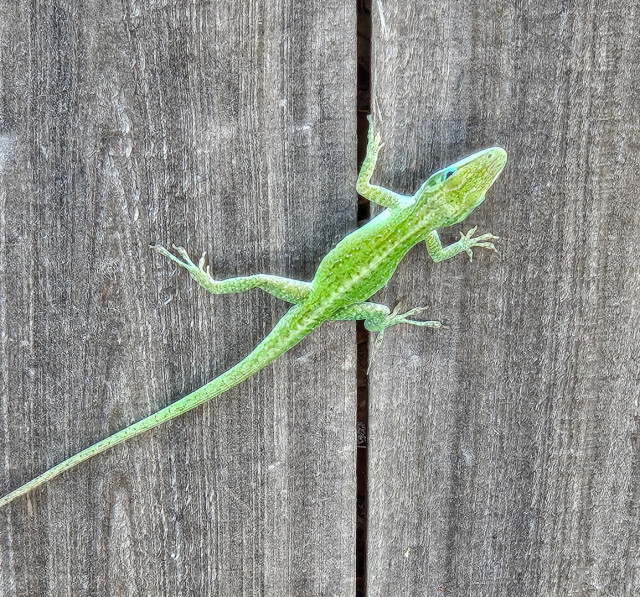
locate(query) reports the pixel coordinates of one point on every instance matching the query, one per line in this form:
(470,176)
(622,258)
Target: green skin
(360,265)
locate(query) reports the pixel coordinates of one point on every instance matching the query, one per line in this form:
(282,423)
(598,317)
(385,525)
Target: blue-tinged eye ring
(448,173)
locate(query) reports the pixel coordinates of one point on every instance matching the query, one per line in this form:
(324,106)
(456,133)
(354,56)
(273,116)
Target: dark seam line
(362,335)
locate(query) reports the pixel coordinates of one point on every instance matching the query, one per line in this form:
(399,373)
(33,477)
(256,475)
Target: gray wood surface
(504,456)
(227,126)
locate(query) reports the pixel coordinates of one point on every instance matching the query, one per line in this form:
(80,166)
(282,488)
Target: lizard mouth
(488,164)
(497,158)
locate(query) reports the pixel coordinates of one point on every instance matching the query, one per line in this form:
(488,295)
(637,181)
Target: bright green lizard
(359,265)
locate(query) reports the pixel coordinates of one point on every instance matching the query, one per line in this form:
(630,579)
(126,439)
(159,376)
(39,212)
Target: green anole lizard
(360,264)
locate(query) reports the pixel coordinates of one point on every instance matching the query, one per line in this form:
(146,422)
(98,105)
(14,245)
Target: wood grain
(223,126)
(504,458)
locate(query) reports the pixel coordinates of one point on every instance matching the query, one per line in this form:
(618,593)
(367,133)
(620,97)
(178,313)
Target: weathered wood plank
(218,125)
(504,458)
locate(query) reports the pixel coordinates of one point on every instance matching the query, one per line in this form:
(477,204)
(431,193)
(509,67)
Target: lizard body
(356,268)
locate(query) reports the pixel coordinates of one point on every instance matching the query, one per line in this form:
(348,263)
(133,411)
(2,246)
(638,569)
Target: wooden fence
(502,453)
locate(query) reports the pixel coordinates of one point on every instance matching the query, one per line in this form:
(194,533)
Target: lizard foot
(394,318)
(468,242)
(197,272)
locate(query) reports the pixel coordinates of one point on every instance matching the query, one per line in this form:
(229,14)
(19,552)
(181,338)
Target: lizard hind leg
(394,318)
(292,291)
(377,318)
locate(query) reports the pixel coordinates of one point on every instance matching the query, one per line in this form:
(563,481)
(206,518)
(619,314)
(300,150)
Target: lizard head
(457,190)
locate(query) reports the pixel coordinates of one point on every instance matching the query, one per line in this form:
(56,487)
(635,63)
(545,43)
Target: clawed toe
(161,250)
(397,317)
(415,311)
(486,246)
(165,253)
(184,255)
(487,237)
(425,324)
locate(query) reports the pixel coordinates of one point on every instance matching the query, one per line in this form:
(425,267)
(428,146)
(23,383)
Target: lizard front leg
(466,243)
(374,193)
(292,291)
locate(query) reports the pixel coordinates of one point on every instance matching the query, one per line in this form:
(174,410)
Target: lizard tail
(291,329)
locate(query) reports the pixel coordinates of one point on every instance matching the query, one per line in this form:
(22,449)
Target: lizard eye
(448,173)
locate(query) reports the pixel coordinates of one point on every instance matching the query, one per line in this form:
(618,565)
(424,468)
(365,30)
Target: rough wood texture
(220,125)
(505,457)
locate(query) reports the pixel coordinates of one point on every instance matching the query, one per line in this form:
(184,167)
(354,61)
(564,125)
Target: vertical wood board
(221,126)
(503,450)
